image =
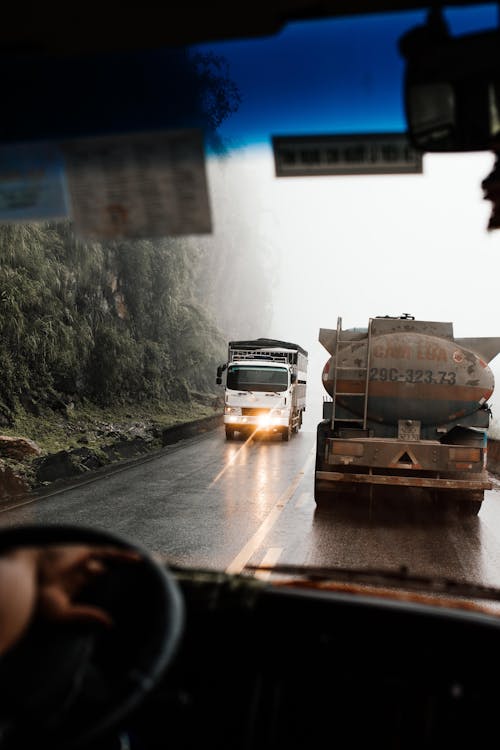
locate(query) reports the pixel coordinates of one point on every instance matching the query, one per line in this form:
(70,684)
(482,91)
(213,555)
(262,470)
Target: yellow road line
(269,560)
(242,558)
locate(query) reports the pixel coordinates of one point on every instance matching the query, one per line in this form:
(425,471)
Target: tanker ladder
(343,342)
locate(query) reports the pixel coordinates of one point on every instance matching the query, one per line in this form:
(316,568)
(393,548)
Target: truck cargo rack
(242,354)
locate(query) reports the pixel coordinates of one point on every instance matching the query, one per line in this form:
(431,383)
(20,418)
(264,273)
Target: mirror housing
(220,370)
(451,88)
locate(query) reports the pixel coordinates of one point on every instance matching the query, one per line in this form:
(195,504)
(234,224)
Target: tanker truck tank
(407,406)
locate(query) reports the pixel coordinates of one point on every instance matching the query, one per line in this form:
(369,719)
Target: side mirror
(451,88)
(220,370)
(293,378)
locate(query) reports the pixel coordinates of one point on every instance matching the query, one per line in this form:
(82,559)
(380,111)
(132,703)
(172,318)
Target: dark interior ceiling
(118,26)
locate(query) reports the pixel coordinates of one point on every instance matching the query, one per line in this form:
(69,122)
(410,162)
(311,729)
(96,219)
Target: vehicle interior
(197,657)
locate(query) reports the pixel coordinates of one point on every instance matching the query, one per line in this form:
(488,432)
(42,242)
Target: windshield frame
(234,384)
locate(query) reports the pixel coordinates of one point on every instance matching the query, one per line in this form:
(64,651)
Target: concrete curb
(188,429)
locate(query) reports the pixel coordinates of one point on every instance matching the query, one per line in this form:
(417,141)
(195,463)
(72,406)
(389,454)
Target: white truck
(265,387)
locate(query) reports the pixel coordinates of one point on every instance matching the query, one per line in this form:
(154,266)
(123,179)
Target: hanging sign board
(357,154)
(138,185)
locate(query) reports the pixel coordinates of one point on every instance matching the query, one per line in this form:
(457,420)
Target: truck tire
(323,498)
(229,433)
(340,495)
(463,503)
(286,434)
(469,507)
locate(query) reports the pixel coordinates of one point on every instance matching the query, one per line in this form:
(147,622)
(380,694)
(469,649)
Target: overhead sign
(357,154)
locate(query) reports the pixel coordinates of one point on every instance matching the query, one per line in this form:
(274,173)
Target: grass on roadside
(88,424)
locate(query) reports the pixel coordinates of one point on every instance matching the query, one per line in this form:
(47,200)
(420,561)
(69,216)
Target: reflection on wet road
(223,505)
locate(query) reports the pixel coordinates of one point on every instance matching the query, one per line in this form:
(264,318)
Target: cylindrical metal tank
(410,376)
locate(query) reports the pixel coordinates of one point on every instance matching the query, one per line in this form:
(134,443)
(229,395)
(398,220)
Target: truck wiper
(396,579)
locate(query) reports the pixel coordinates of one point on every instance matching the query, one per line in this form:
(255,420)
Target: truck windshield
(254,378)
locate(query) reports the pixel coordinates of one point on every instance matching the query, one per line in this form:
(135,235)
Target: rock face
(18,448)
(65,464)
(11,483)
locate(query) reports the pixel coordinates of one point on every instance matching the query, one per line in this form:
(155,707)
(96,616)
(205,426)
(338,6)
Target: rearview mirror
(451,88)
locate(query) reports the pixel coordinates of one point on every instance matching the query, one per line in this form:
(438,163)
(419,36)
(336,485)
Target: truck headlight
(235,411)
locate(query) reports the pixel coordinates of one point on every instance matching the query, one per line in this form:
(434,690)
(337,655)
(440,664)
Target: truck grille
(248,411)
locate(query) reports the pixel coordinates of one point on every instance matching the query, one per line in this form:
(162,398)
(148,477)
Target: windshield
(159,201)
(249,358)
(251,378)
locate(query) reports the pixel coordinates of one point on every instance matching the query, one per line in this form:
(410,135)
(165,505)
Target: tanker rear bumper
(404,481)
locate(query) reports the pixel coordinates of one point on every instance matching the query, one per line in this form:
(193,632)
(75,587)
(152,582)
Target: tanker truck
(265,389)
(407,407)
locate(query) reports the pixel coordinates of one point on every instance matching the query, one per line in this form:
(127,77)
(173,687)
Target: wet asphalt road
(205,502)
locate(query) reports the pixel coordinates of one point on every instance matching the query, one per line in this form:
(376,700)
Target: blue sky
(331,76)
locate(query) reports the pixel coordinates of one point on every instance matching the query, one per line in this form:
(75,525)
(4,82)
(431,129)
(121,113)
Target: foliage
(219,95)
(116,322)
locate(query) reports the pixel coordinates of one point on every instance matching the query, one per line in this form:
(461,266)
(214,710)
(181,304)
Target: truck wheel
(322,432)
(286,434)
(322,498)
(464,508)
(463,503)
(469,507)
(327,498)
(229,433)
